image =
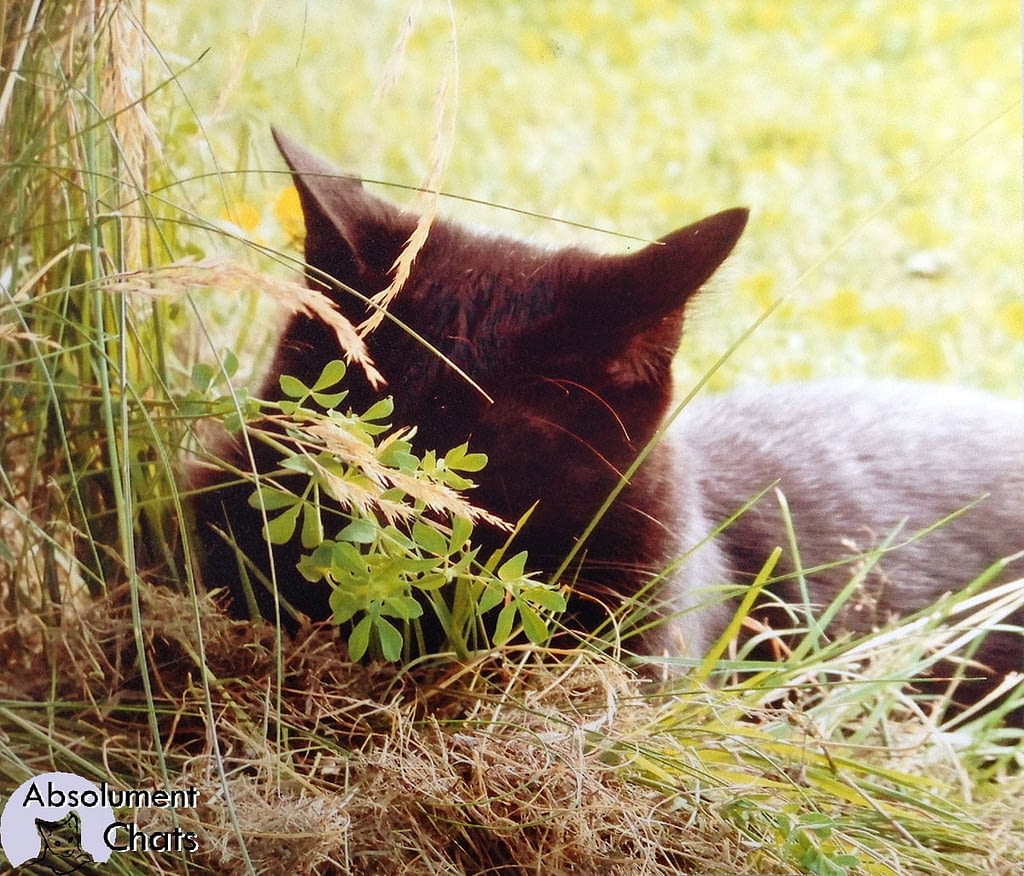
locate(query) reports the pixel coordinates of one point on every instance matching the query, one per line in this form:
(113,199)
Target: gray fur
(858,463)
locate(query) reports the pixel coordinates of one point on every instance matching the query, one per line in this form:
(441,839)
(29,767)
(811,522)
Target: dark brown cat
(575,350)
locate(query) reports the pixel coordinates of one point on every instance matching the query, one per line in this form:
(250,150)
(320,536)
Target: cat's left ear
(663,275)
(631,306)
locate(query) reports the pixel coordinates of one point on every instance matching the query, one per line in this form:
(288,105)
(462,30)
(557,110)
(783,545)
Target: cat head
(568,352)
(62,839)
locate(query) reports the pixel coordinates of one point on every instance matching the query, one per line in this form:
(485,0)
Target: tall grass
(116,667)
(74,149)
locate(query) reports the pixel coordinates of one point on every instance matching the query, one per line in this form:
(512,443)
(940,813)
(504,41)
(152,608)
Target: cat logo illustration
(62,850)
(56,823)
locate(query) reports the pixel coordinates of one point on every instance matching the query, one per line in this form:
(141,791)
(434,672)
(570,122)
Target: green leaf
(473,462)
(405,607)
(346,559)
(545,597)
(503,627)
(271,498)
(514,568)
(312,526)
(434,581)
(380,410)
(343,607)
(429,539)
(463,568)
(456,481)
(414,566)
(390,640)
(360,531)
(202,376)
(292,386)
(280,529)
(398,454)
(329,400)
(395,538)
(313,567)
(458,458)
(332,374)
(230,363)
(819,822)
(534,627)
(359,639)
(492,597)
(299,463)
(462,529)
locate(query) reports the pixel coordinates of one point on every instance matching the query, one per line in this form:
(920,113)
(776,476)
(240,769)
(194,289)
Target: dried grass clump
(354,769)
(522,762)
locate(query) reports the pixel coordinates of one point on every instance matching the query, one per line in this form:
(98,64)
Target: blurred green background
(878,146)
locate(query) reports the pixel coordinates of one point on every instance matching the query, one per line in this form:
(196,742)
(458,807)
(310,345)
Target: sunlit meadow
(877,145)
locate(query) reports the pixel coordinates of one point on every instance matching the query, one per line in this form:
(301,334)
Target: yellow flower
(844,309)
(918,226)
(288,212)
(761,287)
(1011,317)
(536,47)
(920,355)
(886,319)
(243,215)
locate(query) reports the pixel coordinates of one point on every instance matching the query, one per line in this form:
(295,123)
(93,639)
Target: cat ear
(631,306)
(348,230)
(664,275)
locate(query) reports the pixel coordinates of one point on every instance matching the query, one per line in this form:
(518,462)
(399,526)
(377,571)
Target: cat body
(861,466)
(574,352)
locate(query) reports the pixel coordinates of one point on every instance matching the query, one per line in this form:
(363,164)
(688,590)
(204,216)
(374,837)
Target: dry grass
(521,762)
(381,771)
(228,278)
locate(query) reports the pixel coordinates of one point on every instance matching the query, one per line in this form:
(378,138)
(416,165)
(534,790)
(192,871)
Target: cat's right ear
(349,232)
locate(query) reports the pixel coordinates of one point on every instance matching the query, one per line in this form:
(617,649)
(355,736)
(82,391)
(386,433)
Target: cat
(575,349)
(61,847)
